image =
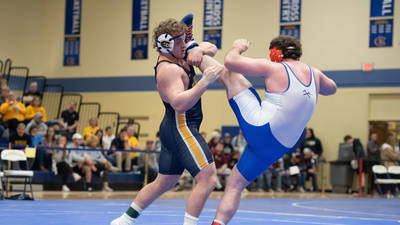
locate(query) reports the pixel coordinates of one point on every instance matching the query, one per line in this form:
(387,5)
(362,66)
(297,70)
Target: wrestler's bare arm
(326,85)
(172,90)
(195,55)
(237,63)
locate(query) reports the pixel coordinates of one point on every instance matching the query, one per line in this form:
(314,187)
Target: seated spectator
(133,144)
(390,157)
(34,108)
(215,139)
(63,168)
(80,161)
(297,159)
(91,129)
(43,157)
(13,112)
(228,148)
(266,177)
(239,143)
(38,122)
(50,138)
(69,120)
(20,137)
(32,92)
(221,163)
(108,138)
(312,142)
(152,161)
(309,169)
(99,135)
(37,139)
(234,160)
(121,143)
(100,162)
(4,93)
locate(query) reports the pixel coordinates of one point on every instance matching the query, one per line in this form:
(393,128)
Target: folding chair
(394,174)
(381,176)
(10,157)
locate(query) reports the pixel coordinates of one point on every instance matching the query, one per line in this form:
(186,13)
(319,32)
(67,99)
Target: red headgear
(275,54)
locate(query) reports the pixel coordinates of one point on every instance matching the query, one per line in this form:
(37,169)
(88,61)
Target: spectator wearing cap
(38,122)
(309,169)
(214,140)
(70,119)
(92,128)
(81,162)
(13,112)
(34,108)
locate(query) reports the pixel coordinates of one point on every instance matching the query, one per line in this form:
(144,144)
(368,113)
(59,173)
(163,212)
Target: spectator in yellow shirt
(35,107)
(92,128)
(133,142)
(13,112)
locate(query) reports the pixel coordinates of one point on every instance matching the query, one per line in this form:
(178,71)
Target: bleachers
(55,100)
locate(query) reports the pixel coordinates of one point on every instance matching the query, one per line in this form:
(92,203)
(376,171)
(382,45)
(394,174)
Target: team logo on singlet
(307,93)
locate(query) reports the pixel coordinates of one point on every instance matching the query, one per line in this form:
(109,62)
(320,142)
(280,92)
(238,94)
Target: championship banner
(214,36)
(213,10)
(381,8)
(213,13)
(291,30)
(140,15)
(139,46)
(140,28)
(73,11)
(381,33)
(290,11)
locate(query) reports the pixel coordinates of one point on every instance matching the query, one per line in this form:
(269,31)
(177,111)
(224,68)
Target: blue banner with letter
(290,11)
(381,33)
(213,36)
(213,10)
(73,11)
(140,17)
(291,30)
(139,46)
(140,28)
(380,8)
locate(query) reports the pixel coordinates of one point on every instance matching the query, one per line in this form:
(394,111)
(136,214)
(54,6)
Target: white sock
(136,207)
(190,220)
(219,221)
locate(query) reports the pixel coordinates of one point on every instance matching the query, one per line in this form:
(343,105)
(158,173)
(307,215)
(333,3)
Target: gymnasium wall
(334,34)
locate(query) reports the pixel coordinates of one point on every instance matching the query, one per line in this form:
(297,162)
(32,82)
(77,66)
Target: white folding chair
(394,173)
(10,158)
(381,176)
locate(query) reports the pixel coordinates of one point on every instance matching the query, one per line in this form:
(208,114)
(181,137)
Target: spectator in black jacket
(312,142)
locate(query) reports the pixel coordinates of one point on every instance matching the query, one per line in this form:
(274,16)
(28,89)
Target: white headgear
(165,43)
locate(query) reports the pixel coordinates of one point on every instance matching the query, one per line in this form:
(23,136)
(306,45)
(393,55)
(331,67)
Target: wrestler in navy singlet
(183,147)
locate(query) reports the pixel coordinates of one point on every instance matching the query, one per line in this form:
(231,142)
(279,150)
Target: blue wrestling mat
(322,211)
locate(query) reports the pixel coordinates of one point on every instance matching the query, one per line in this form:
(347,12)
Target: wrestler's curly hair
(290,46)
(168,26)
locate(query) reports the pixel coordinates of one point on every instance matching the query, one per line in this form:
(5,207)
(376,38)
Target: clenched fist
(241,44)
